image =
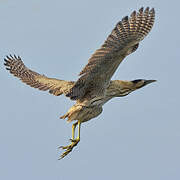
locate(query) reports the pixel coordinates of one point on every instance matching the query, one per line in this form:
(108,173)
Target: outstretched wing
(123,40)
(17,68)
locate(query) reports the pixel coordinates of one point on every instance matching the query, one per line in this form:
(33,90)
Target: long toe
(63,147)
(68,148)
(65,153)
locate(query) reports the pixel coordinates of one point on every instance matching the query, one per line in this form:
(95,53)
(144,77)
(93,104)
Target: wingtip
(125,18)
(8,69)
(152,11)
(146,10)
(5,60)
(7,57)
(141,10)
(10,57)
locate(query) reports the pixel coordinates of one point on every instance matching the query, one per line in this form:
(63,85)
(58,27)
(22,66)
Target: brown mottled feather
(123,40)
(17,68)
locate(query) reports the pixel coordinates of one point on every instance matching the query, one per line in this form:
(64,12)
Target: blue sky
(136,137)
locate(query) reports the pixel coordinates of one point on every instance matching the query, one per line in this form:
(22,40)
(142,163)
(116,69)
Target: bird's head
(119,88)
(139,83)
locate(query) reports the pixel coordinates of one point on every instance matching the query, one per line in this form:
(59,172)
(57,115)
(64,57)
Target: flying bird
(94,86)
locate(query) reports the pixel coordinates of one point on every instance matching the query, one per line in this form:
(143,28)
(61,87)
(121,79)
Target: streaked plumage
(94,87)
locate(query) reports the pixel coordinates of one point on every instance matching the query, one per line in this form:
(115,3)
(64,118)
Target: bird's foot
(68,148)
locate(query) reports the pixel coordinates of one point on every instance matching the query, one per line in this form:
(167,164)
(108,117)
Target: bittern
(94,87)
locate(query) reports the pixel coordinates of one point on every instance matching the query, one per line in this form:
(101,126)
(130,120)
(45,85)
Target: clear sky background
(136,137)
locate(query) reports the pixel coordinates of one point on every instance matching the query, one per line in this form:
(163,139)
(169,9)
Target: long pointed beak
(149,81)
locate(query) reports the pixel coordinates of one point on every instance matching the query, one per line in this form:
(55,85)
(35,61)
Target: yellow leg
(73,130)
(79,129)
(74,142)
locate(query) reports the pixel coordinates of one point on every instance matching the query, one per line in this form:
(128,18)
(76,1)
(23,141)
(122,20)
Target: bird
(94,87)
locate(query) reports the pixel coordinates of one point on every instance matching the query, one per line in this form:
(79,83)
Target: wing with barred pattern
(55,86)
(123,40)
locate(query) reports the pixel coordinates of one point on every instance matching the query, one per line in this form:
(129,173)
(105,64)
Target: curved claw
(68,148)
(62,147)
(65,153)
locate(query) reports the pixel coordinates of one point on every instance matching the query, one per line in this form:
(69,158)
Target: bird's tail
(73,113)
